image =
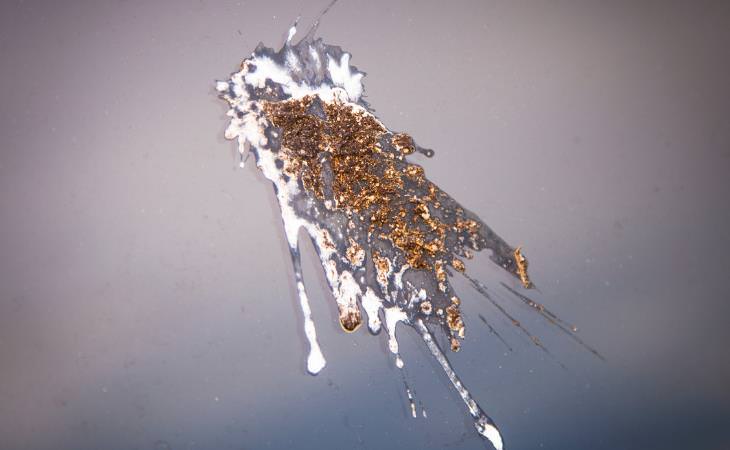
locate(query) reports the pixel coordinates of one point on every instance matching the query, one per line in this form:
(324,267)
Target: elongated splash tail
(484,424)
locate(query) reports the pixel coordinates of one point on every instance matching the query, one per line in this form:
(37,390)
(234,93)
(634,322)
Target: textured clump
(389,240)
(350,163)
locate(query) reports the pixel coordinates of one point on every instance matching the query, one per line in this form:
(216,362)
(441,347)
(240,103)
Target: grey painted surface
(145,293)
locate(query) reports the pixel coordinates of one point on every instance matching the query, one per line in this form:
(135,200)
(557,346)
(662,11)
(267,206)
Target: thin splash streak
(479,287)
(565,327)
(485,426)
(494,332)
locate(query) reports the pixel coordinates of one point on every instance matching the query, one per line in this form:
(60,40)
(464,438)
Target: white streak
(315,360)
(481,421)
(491,432)
(372,305)
(347,292)
(393,315)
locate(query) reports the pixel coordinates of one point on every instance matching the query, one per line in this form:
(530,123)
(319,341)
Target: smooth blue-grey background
(145,293)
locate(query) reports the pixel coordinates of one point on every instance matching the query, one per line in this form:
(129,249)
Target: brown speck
(454,320)
(355,254)
(521,262)
(458,264)
(403,143)
(455,345)
(350,318)
(426,307)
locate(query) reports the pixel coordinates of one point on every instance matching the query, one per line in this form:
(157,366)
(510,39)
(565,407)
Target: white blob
(490,432)
(341,76)
(393,315)
(221,86)
(372,304)
(347,292)
(292,61)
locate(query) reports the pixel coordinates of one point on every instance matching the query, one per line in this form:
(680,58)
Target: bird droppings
(387,237)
